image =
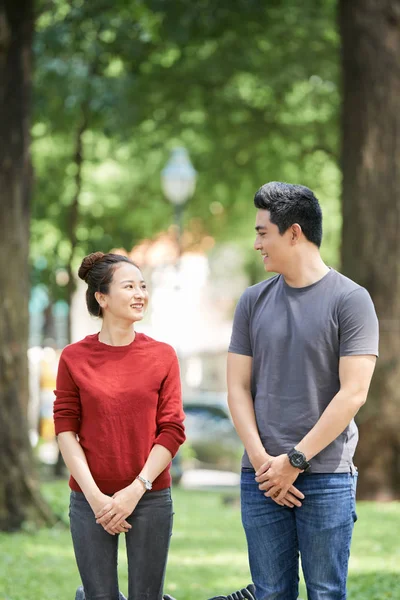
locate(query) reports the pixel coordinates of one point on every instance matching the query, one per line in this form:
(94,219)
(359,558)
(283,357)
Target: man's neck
(306,271)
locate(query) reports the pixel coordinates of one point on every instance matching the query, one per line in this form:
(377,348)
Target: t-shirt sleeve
(67,405)
(240,339)
(358,324)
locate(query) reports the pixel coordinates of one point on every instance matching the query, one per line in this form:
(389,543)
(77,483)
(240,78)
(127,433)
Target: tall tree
(370,33)
(19,497)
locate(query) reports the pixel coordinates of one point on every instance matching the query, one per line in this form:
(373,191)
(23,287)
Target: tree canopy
(251,90)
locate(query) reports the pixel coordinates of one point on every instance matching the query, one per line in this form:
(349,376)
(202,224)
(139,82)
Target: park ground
(207,556)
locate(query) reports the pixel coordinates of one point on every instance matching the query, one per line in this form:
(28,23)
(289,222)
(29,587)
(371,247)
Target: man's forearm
(242,410)
(333,421)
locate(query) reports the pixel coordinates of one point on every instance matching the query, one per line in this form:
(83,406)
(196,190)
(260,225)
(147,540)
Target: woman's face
(128,296)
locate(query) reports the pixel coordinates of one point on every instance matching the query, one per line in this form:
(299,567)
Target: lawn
(208,552)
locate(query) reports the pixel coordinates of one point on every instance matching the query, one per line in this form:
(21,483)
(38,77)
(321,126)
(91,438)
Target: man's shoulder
(345,287)
(253,292)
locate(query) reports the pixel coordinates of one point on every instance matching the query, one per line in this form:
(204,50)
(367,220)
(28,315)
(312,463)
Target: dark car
(212,441)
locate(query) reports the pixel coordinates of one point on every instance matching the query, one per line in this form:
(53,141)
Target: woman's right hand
(103,502)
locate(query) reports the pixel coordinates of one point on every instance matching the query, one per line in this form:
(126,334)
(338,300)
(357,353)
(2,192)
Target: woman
(119,421)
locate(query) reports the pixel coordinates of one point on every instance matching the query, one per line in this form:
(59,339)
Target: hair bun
(88,262)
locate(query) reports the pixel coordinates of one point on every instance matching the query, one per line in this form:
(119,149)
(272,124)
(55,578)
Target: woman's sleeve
(67,406)
(170,415)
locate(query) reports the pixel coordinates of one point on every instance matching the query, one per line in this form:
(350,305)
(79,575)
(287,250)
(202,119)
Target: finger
(277,501)
(273,492)
(106,518)
(281,495)
(293,490)
(267,485)
(264,467)
(116,520)
(287,503)
(122,526)
(104,510)
(263,477)
(290,498)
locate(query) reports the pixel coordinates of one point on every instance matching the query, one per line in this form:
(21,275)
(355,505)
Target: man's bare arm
(355,374)
(241,407)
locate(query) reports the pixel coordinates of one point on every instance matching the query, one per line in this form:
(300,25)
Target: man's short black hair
(287,204)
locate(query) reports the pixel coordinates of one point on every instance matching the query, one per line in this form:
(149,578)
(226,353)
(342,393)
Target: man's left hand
(276,476)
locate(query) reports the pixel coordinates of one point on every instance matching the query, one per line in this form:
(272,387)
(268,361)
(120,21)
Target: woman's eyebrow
(132,281)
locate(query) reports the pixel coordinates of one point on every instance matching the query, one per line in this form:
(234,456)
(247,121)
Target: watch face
(297,459)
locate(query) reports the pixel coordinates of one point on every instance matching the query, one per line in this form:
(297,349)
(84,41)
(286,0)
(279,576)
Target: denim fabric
(320,531)
(147,544)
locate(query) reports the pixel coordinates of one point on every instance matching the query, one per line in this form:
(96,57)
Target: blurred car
(212,442)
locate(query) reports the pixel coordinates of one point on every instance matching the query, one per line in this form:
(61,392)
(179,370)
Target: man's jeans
(147,544)
(320,530)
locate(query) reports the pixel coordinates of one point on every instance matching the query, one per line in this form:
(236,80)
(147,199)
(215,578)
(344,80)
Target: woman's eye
(144,287)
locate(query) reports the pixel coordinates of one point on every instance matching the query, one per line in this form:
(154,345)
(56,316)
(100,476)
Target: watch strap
(147,484)
(303,465)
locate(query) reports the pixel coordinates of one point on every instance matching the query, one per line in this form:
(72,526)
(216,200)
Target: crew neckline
(111,348)
(299,290)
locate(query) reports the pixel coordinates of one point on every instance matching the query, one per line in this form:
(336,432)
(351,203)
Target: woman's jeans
(147,544)
(320,530)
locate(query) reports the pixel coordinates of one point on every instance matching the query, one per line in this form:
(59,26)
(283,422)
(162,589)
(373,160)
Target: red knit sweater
(120,400)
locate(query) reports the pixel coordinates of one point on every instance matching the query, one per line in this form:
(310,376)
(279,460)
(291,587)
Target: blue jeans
(320,531)
(147,543)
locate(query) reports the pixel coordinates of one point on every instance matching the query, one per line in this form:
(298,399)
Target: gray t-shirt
(296,337)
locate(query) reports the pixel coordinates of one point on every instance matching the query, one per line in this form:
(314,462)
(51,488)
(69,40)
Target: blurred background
(145,127)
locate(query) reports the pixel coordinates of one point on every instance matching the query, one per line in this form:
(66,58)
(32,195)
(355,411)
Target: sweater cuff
(169,442)
(62,424)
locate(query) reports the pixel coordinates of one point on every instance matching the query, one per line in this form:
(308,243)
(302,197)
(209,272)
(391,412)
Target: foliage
(251,90)
(208,540)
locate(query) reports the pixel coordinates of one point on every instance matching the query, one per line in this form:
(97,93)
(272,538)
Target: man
(301,358)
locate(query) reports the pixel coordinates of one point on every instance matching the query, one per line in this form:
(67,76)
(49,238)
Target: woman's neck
(116,335)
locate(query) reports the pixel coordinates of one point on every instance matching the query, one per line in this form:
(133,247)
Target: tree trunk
(19,495)
(370,33)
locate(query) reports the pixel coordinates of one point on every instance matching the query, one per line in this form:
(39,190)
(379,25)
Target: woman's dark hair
(97,270)
(288,204)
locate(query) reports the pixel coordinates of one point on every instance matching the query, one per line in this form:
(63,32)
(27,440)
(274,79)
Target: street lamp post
(178,180)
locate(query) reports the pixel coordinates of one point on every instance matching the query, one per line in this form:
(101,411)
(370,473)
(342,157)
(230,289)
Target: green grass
(208,552)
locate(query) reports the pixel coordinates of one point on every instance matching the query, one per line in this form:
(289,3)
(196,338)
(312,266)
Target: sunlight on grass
(208,552)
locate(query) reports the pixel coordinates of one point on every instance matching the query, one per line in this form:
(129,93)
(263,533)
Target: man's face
(274,247)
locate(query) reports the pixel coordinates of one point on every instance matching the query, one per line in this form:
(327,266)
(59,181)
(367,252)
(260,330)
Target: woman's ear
(100,299)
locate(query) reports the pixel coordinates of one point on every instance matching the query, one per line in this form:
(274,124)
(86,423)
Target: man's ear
(295,233)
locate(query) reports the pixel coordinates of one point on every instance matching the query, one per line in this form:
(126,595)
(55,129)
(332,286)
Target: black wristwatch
(298,459)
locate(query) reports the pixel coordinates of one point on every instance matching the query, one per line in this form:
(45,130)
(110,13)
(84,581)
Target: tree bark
(19,495)
(370,32)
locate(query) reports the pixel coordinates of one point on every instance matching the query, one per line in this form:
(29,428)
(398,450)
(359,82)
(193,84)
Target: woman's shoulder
(161,348)
(82,346)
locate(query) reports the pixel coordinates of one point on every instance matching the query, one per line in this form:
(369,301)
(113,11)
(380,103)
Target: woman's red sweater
(120,400)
